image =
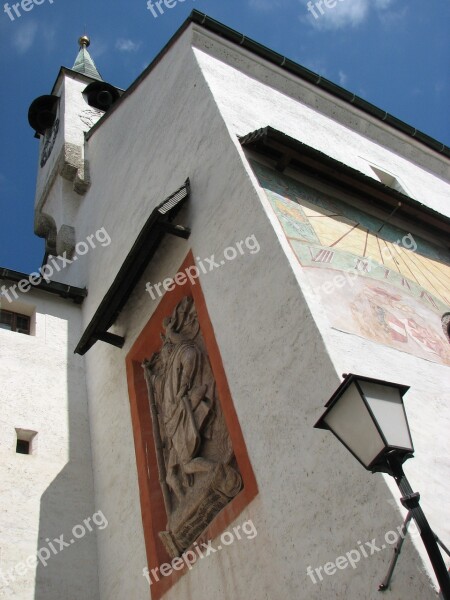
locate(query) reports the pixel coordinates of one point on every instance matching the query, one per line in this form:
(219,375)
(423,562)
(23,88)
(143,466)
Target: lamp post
(368,416)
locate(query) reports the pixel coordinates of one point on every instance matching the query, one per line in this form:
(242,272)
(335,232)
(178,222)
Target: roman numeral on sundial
(323,256)
(362,265)
(425,295)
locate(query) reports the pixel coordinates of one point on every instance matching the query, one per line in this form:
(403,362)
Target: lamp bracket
(411,500)
(384,585)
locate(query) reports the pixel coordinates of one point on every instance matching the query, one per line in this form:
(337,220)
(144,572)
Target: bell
(101,95)
(42,113)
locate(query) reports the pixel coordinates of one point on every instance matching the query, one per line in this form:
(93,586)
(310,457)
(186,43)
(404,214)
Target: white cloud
(26,33)
(344,13)
(382,4)
(316,65)
(125,45)
(392,19)
(25,36)
(343,78)
(49,36)
(98,48)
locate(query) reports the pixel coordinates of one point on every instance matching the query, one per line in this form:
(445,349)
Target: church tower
(79,98)
(47,529)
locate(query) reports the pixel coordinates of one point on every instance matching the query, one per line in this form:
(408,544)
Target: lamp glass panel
(350,420)
(387,406)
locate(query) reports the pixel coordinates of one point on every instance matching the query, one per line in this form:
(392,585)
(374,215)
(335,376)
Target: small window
(26,441)
(23,447)
(389,180)
(14,322)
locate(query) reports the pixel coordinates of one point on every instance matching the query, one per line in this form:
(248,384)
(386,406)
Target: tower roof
(84,63)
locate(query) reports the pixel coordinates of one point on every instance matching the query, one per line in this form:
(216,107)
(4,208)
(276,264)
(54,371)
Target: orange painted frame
(152,504)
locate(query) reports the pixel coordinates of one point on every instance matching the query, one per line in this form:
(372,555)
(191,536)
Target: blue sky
(393,53)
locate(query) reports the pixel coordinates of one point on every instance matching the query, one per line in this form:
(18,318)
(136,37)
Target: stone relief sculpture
(198,473)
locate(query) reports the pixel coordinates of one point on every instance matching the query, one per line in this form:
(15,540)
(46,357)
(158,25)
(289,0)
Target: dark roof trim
(140,78)
(287,151)
(73,74)
(132,270)
(307,75)
(52,287)
(77,75)
(240,39)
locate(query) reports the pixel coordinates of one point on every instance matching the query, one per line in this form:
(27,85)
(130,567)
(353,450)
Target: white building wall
(46,173)
(248,103)
(252,93)
(64,179)
(280,356)
(45,494)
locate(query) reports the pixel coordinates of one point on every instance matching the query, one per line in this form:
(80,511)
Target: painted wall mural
(374,279)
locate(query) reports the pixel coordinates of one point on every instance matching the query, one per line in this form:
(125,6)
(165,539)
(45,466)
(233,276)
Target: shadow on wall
(65,569)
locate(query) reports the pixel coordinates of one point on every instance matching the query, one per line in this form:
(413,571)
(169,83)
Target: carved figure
(197,470)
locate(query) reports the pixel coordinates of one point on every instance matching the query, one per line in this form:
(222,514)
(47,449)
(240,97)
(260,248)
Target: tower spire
(84,63)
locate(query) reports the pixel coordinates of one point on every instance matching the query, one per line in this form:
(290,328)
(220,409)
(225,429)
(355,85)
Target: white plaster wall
(314,502)
(426,406)
(69,87)
(62,181)
(252,93)
(248,104)
(47,172)
(46,494)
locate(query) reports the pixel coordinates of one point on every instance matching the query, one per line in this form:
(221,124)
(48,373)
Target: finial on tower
(84,41)
(84,63)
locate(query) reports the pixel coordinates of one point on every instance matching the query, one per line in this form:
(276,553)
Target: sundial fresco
(394,287)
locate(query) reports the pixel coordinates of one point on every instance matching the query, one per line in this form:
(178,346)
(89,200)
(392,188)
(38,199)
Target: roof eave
(317,80)
(285,63)
(289,152)
(52,287)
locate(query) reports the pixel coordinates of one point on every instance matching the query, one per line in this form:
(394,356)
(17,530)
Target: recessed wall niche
(26,441)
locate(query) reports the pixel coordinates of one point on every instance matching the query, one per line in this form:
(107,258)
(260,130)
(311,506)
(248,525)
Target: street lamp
(368,416)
